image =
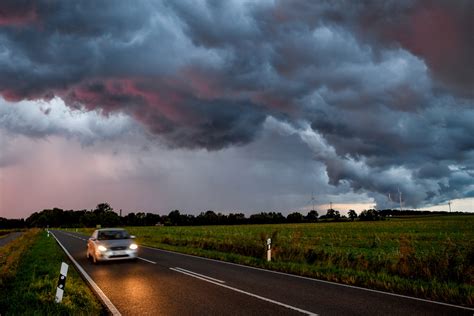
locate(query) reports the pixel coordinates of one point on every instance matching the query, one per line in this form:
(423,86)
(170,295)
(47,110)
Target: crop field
(428,257)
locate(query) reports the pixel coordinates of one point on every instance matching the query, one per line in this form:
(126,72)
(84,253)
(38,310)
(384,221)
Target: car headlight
(133,246)
(102,248)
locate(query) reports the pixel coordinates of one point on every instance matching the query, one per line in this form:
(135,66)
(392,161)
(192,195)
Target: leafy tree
(109,219)
(312,216)
(207,218)
(174,217)
(276,218)
(352,215)
(11,223)
(295,217)
(103,208)
(267,218)
(89,219)
(189,219)
(130,219)
(222,219)
(238,218)
(103,215)
(370,215)
(333,214)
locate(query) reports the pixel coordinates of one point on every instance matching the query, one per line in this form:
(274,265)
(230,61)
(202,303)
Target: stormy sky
(235,105)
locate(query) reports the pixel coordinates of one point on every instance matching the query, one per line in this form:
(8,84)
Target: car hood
(116,243)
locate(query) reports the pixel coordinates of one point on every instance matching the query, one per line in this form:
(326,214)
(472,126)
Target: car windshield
(113,234)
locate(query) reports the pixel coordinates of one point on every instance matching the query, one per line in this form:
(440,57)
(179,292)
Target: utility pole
(313,199)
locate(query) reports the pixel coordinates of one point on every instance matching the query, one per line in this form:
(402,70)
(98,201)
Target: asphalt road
(168,283)
(11,236)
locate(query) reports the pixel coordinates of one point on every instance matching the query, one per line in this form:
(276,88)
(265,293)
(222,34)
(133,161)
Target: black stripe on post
(61,283)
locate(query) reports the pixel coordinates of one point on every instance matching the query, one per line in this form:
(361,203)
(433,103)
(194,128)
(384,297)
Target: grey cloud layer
(43,119)
(393,107)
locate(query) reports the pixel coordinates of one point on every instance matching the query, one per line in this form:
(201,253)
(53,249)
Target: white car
(111,244)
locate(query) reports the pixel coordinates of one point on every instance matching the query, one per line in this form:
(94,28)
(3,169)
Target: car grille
(119,256)
(118,248)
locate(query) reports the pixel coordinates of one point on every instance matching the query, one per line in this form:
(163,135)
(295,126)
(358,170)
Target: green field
(428,257)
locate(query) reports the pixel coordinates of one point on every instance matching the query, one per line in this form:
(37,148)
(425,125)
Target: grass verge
(29,274)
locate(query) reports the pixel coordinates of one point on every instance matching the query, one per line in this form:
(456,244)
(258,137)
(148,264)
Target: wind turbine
(449,203)
(390,201)
(400,197)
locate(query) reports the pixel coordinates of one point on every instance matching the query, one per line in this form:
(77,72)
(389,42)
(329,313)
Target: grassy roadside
(29,270)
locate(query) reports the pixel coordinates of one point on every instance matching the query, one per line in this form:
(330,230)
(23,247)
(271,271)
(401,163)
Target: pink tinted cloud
(435,34)
(163,103)
(202,84)
(441,34)
(11,95)
(145,98)
(17,15)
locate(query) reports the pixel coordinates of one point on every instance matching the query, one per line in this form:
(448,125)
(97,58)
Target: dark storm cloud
(387,85)
(17,12)
(433,171)
(439,32)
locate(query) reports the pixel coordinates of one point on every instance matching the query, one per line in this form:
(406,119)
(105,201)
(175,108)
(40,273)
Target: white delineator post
(269,249)
(61,283)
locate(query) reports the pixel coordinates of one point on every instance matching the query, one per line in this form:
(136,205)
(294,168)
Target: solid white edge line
(314,280)
(94,286)
(153,262)
(246,293)
(201,275)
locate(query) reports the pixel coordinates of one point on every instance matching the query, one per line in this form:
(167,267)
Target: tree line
(105,216)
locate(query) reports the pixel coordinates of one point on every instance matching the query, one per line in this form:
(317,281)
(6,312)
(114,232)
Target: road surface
(11,236)
(168,283)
